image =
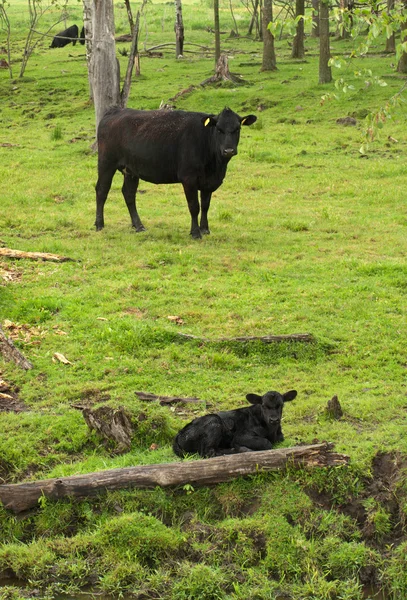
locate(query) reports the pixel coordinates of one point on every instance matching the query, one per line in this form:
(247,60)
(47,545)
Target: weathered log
(167,399)
(32,255)
(24,496)
(266,339)
(10,352)
(112,424)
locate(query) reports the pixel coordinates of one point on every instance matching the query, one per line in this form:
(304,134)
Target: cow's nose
(229,152)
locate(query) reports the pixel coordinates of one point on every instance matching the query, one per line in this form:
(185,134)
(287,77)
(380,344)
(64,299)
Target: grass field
(307,235)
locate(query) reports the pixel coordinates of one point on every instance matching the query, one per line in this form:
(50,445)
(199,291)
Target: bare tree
(104,71)
(217,30)
(269,56)
(179,30)
(298,42)
(325,74)
(5,24)
(129,15)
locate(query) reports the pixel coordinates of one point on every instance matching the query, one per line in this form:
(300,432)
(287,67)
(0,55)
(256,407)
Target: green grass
(306,236)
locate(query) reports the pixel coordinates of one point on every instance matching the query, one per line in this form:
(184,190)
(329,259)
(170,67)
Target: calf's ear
(249,120)
(209,121)
(289,395)
(254,398)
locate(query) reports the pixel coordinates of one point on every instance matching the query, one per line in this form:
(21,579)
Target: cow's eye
(220,130)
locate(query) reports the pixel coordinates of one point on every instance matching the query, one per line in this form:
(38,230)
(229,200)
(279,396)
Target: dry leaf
(61,358)
(154,447)
(175,319)
(101,319)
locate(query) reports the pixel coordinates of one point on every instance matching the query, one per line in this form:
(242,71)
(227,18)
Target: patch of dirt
(9,400)
(9,274)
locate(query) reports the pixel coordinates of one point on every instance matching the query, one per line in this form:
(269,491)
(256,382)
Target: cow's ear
(209,121)
(254,398)
(290,395)
(249,120)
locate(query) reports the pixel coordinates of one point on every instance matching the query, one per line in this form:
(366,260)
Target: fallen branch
(167,399)
(10,352)
(266,339)
(32,255)
(23,496)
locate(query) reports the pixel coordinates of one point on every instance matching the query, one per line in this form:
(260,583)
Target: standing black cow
(166,147)
(255,427)
(63,38)
(82,36)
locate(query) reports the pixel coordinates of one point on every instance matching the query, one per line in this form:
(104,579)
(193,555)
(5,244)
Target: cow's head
(272,405)
(227,130)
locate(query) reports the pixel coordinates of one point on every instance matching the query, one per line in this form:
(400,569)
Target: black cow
(161,146)
(63,38)
(255,427)
(82,36)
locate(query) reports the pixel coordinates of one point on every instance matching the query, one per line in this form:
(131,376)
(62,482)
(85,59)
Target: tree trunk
(179,30)
(217,30)
(325,74)
(402,64)
(298,42)
(391,41)
(269,55)
(87,25)
(133,62)
(11,353)
(129,15)
(104,64)
(10,253)
(315,18)
(23,496)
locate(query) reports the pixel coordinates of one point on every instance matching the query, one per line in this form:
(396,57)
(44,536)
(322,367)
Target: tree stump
(113,425)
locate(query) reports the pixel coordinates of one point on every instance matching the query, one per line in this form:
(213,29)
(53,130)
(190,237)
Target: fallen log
(33,255)
(266,339)
(164,400)
(10,352)
(24,496)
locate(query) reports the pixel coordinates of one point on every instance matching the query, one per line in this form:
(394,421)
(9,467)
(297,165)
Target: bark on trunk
(87,25)
(217,30)
(325,74)
(23,496)
(10,352)
(269,55)
(391,41)
(179,30)
(298,42)
(105,66)
(133,62)
(402,64)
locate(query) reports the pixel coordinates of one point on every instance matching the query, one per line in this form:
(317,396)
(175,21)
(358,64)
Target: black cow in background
(82,36)
(162,146)
(63,38)
(256,427)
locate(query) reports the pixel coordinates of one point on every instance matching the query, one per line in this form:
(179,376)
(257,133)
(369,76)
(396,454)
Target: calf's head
(227,130)
(272,405)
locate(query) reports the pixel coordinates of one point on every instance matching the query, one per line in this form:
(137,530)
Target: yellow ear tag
(243,121)
(207,122)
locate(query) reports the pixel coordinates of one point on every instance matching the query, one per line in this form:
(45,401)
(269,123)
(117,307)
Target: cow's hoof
(196,234)
(99,227)
(205,231)
(139,229)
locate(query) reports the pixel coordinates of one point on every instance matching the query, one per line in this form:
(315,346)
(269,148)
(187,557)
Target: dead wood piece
(334,409)
(167,399)
(10,352)
(222,72)
(32,255)
(266,339)
(23,496)
(112,424)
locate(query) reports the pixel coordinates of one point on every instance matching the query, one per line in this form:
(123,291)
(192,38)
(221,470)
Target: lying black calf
(256,427)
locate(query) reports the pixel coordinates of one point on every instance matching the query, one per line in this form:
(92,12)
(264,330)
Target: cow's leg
(129,189)
(245,443)
(102,189)
(191,193)
(205,203)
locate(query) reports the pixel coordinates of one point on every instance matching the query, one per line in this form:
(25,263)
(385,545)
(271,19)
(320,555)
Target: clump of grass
(56,133)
